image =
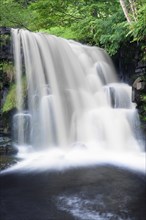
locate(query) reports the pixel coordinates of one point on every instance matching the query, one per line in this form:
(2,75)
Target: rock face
(139,89)
(139,97)
(7,153)
(132,69)
(6,60)
(6,147)
(5,44)
(128,62)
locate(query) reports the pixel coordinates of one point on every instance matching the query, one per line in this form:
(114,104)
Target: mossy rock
(11,102)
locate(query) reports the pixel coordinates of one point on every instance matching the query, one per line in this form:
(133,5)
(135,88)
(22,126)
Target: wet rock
(139,97)
(7,161)
(6,147)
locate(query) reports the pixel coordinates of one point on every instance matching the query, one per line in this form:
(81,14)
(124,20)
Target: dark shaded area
(5,44)
(34,196)
(6,76)
(129,62)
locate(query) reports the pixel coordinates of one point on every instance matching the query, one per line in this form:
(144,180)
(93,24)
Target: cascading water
(76,109)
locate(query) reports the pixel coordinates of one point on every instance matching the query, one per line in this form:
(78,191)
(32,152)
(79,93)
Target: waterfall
(74,99)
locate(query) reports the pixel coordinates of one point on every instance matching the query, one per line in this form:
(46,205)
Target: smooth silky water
(77,132)
(75,112)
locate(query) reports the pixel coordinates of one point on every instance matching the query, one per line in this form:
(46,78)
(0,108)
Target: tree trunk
(123,5)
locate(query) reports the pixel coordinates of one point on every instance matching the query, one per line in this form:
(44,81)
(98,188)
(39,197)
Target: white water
(77,112)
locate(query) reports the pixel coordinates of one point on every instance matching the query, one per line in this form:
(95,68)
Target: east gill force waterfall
(71,108)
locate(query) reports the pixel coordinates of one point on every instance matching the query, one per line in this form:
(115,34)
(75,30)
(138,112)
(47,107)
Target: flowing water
(71,108)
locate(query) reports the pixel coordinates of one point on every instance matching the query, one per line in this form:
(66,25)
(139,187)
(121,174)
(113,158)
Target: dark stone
(138,92)
(6,147)
(5,30)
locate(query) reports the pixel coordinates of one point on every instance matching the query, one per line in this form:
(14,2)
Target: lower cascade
(71,108)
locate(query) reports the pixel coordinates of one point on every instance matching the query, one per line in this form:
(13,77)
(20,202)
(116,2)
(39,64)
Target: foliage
(107,32)
(100,23)
(64,32)
(14,14)
(138,27)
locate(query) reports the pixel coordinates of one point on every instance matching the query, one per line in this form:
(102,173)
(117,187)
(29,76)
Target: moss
(10,102)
